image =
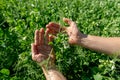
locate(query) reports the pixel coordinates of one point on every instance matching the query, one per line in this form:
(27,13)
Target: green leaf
(5,71)
(14,78)
(98,77)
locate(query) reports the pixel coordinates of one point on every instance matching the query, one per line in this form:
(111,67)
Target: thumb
(68,21)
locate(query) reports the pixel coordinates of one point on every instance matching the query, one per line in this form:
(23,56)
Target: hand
(40,48)
(72,31)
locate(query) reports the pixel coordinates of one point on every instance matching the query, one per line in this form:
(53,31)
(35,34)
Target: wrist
(47,64)
(81,39)
(46,70)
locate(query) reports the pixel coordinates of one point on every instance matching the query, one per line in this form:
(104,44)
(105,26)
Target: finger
(33,49)
(51,38)
(36,38)
(68,21)
(53,26)
(41,36)
(54,32)
(51,31)
(46,36)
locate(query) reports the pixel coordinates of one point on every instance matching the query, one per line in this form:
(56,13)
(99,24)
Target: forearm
(52,74)
(106,45)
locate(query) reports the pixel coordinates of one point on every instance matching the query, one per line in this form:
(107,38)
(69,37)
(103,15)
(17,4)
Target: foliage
(20,18)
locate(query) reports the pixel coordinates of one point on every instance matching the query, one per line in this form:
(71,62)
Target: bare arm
(42,52)
(52,74)
(109,45)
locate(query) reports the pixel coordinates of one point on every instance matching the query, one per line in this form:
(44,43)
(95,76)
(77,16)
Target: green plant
(20,18)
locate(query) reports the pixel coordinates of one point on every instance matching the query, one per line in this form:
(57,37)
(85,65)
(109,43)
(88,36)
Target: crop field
(20,18)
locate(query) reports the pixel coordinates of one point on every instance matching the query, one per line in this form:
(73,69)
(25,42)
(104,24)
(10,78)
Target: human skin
(110,46)
(41,51)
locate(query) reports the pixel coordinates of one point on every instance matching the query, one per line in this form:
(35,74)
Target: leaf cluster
(20,18)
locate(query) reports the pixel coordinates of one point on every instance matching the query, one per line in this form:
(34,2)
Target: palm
(73,33)
(72,30)
(41,49)
(42,53)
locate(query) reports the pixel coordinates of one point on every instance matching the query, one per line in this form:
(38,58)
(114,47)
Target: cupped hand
(40,48)
(72,30)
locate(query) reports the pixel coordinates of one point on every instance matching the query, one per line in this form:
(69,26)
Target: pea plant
(20,18)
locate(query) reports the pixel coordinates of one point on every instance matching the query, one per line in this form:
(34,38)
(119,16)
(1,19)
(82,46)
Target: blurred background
(20,18)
